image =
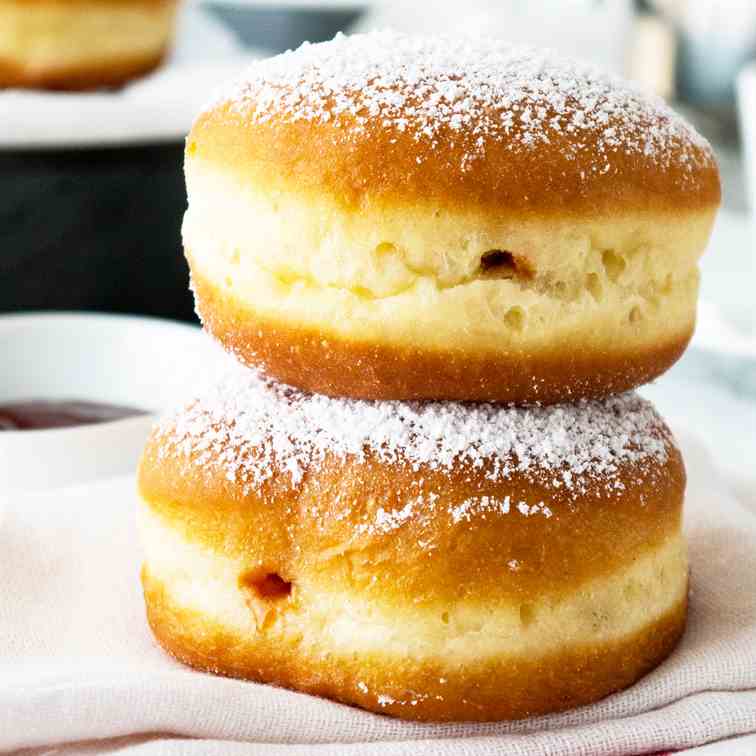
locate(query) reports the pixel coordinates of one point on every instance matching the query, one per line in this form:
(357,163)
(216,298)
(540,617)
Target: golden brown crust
(373,166)
(319,530)
(495,690)
(326,364)
(94,75)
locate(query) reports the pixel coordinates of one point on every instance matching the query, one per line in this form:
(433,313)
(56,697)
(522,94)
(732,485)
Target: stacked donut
(424,490)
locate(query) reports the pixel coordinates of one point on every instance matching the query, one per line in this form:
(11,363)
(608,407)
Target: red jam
(36,414)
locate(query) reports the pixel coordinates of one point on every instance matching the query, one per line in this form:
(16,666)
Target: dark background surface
(94,229)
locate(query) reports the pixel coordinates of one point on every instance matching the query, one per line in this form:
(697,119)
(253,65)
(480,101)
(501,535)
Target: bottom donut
(433,562)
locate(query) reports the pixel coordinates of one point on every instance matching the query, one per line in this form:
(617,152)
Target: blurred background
(92,195)
(91,190)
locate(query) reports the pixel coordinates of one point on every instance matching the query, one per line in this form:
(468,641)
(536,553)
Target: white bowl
(135,362)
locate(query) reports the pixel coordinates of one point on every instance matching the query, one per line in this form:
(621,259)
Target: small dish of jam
(42,414)
(79,392)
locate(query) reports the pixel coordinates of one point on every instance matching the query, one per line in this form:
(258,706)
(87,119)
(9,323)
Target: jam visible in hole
(498,263)
(267,587)
(39,414)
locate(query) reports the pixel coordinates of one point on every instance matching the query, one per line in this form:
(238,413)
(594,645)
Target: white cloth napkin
(80,673)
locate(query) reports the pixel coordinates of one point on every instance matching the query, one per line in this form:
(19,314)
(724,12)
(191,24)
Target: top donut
(391,217)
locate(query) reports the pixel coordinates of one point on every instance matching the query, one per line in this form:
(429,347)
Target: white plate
(136,362)
(159,108)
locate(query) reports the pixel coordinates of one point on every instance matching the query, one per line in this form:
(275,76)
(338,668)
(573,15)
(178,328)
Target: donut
(82,44)
(391,217)
(430,561)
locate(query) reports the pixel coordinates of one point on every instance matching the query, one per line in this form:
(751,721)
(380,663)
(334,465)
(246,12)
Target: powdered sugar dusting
(468,91)
(467,508)
(255,428)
